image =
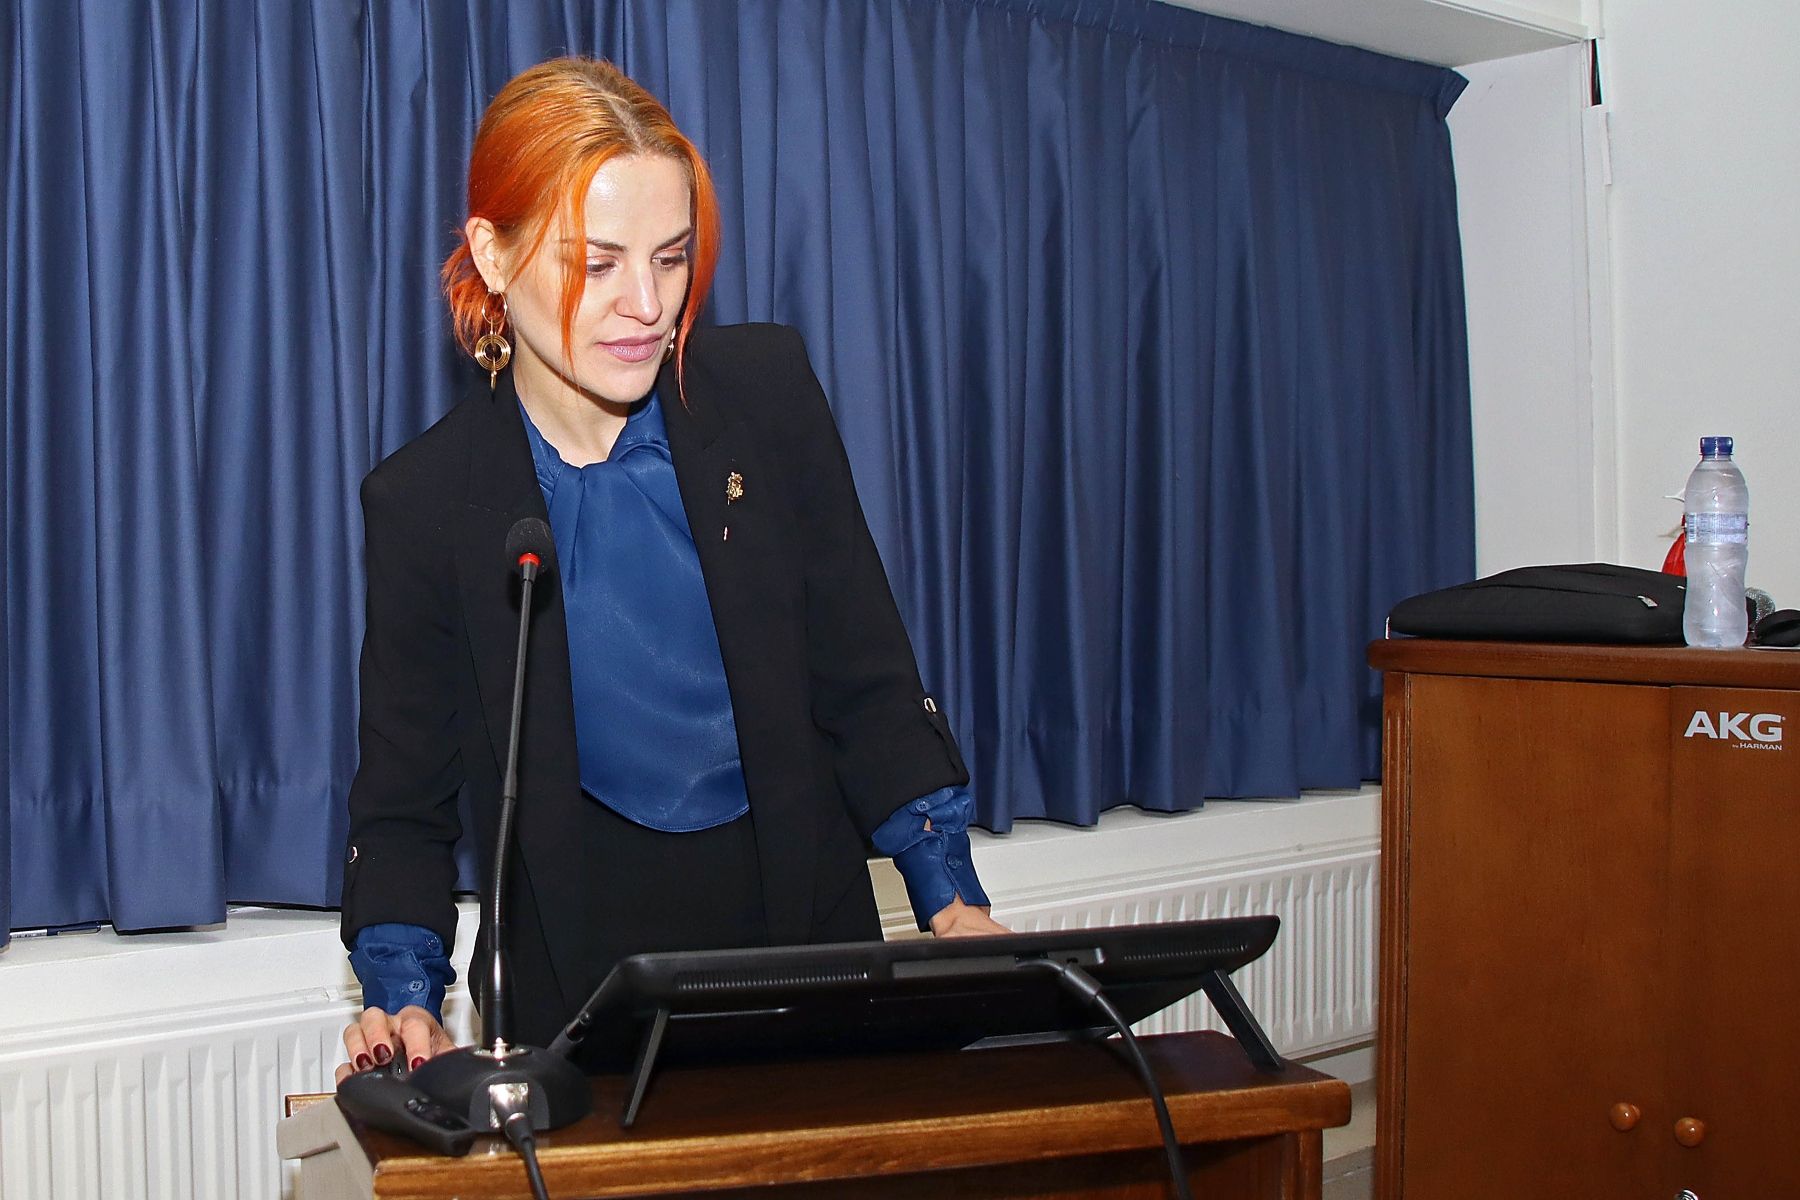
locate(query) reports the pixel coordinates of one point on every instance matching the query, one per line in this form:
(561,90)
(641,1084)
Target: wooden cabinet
(1589,950)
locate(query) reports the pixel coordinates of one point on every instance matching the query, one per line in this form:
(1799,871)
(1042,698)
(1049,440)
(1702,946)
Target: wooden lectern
(1055,1120)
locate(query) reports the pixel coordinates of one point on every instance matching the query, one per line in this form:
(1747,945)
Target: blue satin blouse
(662,752)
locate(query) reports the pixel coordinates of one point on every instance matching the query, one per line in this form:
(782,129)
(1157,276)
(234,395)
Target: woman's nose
(639,298)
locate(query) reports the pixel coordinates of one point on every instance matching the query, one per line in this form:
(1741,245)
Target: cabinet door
(1735,894)
(1536,872)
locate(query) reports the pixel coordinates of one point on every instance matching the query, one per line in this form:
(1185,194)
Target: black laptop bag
(1585,602)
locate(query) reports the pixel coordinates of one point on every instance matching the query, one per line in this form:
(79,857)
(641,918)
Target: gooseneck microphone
(497,1081)
(528,547)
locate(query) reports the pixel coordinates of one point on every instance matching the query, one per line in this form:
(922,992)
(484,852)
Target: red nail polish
(382,1054)
(363,1062)
(417,1063)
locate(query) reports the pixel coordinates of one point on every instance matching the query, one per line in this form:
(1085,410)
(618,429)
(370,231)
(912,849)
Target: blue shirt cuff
(935,863)
(400,965)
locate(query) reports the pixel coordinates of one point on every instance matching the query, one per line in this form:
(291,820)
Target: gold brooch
(734,488)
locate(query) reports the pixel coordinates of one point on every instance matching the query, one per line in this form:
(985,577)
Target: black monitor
(714,1006)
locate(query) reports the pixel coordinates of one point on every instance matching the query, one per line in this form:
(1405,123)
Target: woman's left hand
(957,919)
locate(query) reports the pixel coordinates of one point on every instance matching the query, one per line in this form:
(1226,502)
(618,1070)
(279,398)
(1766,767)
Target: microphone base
(556,1092)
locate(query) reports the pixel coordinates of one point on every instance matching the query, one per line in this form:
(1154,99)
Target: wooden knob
(1624,1116)
(1690,1131)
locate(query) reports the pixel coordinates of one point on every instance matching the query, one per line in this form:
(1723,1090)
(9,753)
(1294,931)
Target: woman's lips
(632,350)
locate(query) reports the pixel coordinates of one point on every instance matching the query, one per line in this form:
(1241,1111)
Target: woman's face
(635,252)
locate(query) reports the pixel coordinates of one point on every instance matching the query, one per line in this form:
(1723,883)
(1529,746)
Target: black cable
(517,1129)
(1087,988)
(512,1104)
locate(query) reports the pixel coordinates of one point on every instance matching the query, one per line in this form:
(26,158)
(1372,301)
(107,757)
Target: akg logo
(1751,731)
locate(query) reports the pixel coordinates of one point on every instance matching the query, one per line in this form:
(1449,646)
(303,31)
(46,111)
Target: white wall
(1543,473)
(1633,280)
(1705,211)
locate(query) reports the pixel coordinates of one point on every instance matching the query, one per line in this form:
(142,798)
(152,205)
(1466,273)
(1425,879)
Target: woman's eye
(598,267)
(669,262)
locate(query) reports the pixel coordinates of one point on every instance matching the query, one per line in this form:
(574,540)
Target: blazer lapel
(738,516)
(704,451)
(502,489)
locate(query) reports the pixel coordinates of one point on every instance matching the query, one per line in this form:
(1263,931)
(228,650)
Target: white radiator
(154,1067)
(1314,991)
(1312,862)
(173,1112)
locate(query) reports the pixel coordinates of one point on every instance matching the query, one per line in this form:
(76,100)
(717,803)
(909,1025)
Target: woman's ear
(484,245)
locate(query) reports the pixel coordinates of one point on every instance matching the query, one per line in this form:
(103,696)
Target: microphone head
(530,535)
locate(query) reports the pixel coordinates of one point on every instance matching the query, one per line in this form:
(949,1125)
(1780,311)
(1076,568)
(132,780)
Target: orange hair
(540,143)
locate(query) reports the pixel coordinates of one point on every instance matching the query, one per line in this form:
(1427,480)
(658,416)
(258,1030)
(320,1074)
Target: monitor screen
(916,994)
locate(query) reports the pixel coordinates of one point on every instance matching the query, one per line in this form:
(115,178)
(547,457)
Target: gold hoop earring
(492,350)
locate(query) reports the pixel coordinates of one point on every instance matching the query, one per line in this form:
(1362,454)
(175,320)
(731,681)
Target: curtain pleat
(1154,319)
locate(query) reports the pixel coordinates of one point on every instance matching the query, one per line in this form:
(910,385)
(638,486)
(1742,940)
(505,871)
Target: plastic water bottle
(1718,548)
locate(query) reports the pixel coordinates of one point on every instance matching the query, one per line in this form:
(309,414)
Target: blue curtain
(1166,310)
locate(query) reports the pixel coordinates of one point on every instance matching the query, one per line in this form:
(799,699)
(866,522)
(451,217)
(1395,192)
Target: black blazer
(834,728)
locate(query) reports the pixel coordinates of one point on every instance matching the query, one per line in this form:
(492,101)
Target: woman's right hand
(376,1037)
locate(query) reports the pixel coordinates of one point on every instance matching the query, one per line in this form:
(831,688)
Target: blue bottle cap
(1715,447)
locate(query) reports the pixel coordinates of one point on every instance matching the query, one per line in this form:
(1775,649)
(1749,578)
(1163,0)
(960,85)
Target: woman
(722,707)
